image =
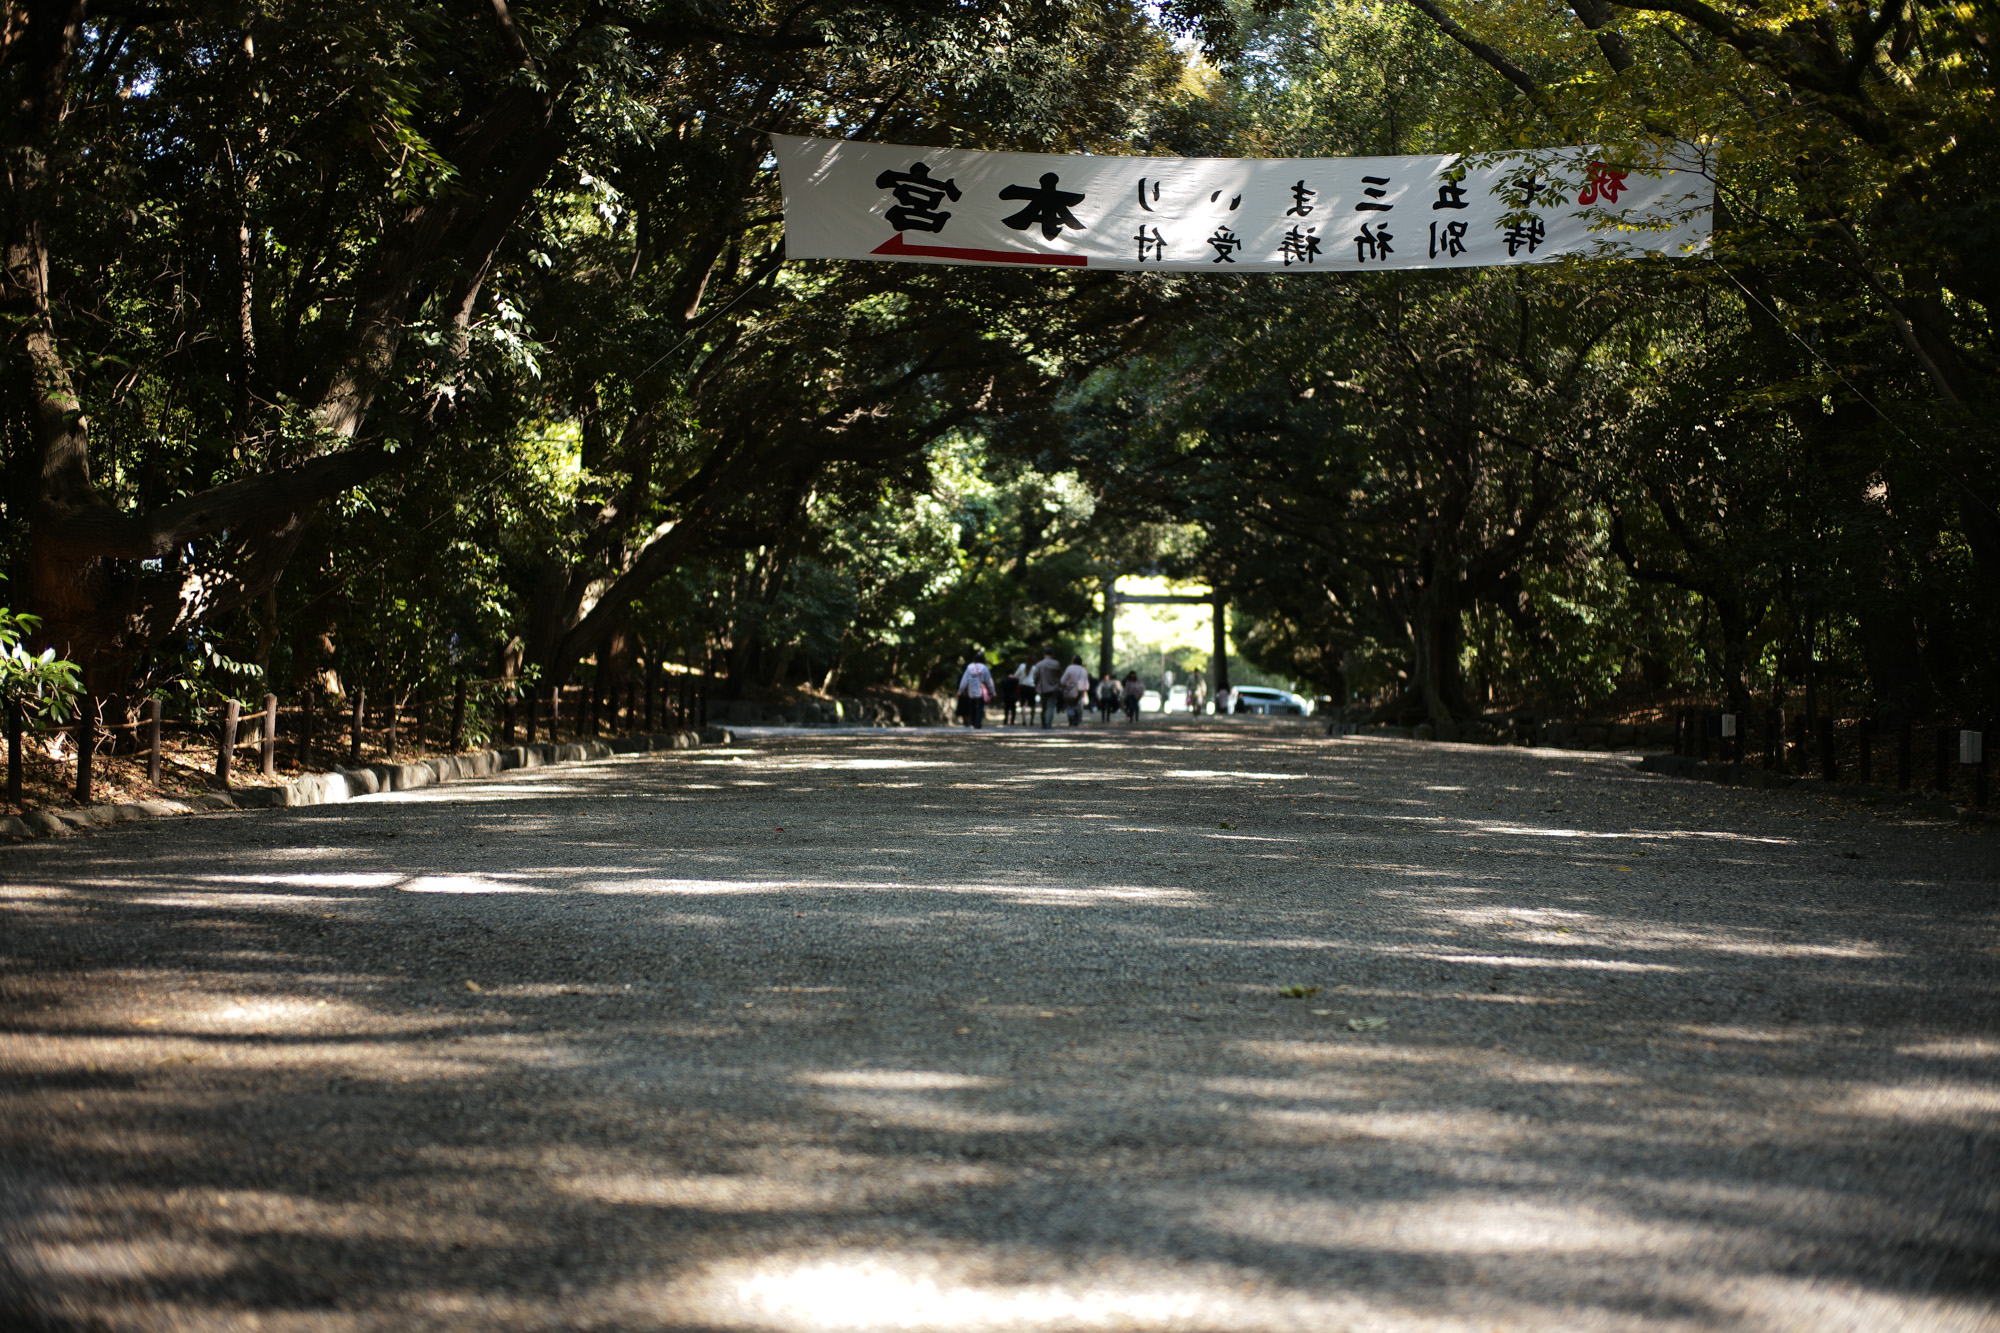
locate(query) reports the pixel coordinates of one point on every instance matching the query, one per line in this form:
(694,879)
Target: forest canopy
(357,345)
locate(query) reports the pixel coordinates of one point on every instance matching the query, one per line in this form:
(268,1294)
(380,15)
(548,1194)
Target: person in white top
(976,688)
(1075,685)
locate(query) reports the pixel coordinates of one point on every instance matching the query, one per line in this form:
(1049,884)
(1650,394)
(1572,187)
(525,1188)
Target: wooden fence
(1949,761)
(320,727)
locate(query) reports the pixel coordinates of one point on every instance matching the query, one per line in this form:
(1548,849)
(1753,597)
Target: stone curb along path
(344,784)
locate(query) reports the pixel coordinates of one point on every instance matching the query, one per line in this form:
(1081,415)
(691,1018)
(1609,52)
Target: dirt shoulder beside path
(943,1030)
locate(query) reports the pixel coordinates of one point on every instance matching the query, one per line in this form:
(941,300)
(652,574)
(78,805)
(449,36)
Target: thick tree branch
(1824,73)
(1507,69)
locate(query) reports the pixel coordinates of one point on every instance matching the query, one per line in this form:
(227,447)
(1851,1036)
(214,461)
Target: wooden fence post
(14,727)
(395,707)
(422,728)
(534,713)
(354,737)
(1829,757)
(1867,751)
(153,756)
(458,716)
(267,744)
(1946,742)
(308,705)
(225,750)
(652,691)
(13,751)
(86,746)
(507,716)
(1979,778)
(1982,733)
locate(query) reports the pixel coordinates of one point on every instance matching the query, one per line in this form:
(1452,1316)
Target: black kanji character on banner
(1151,247)
(1451,243)
(1366,206)
(1529,233)
(1234,199)
(1048,207)
(1226,243)
(1142,194)
(1301,197)
(917,198)
(1451,194)
(1301,247)
(1372,244)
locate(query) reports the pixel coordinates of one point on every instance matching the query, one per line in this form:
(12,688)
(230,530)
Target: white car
(1262,699)
(1176,699)
(1149,702)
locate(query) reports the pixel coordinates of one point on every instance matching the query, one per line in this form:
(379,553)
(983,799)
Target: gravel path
(936,1030)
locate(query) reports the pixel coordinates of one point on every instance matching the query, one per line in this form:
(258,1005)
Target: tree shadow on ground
(869,1032)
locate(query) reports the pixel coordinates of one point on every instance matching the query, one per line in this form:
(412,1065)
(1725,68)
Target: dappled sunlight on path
(921,1030)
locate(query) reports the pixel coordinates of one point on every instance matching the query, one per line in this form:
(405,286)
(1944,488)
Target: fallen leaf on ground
(1368,1024)
(472,986)
(1225,824)
(1299,992)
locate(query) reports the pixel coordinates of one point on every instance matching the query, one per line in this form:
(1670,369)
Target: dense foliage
(364,344)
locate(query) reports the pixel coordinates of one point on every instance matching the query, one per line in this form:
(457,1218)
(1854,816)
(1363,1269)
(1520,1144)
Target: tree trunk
(1440,640)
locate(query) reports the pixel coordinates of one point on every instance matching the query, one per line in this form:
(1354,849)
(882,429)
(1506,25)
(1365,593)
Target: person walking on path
(1010,694)
(1047,677)
(1075,687)
(975,687)
(1134,691)
(1107,698)
(1196,689)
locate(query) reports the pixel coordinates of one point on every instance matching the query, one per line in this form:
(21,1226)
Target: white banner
(848,200)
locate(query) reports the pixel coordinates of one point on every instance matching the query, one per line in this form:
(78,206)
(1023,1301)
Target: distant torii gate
(1113,599)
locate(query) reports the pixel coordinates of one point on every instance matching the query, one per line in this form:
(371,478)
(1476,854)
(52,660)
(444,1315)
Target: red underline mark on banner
(896,245)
